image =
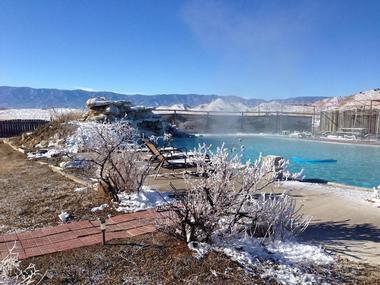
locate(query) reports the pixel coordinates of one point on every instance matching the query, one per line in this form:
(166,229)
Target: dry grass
(57,128)
(64,117)
(160,259)
(32,196)
(44,134)
(150,259)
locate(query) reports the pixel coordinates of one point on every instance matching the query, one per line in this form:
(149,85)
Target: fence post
(242,122)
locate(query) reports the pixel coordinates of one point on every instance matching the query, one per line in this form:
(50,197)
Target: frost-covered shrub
(277,217)
(12,274)
(224,198)
(112,148)
(376,192)
(65,115)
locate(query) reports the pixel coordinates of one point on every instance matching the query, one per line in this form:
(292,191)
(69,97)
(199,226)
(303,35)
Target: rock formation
(102,110)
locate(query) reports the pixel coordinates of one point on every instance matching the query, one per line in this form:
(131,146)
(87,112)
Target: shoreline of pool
(318,140)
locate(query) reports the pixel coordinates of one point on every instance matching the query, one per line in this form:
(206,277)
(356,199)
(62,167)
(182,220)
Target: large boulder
(101,109)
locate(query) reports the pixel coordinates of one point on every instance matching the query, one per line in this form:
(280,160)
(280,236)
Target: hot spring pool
(356,165)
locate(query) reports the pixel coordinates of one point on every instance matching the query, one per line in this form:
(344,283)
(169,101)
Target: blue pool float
(296,159)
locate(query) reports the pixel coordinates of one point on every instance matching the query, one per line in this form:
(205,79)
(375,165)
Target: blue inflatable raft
(296,159)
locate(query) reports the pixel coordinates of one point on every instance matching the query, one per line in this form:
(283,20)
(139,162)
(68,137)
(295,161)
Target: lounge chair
(176,158)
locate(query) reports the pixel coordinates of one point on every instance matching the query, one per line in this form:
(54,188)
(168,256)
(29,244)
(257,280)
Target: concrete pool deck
(342,220)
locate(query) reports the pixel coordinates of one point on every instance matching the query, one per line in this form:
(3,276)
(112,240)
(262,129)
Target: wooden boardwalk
(76,234)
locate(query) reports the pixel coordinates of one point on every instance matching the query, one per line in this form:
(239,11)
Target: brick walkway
(76,234)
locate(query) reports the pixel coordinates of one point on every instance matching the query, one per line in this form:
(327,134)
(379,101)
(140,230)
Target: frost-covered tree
(113,149)
(225,197)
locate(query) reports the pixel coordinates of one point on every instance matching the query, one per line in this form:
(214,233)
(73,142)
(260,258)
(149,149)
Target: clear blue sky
(255,49)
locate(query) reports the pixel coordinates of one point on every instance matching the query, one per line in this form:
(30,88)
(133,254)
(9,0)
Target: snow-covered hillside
(328,103)
(173,107)
(357,100)
(360,99)
(221,105)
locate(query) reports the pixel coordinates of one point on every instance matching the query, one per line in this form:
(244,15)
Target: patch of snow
(351,192)
(200,249)
(146,198)
(344,138)
(85,134)
(33,114)
(376,192)
(289,275)
(99,208)
(64,217)
(44,153)
(55,143)
(73,164)
(300,253)
(375,197)
(355,194)
(283,261)
(80,189)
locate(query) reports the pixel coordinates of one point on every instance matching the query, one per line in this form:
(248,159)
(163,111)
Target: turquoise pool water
(356,165)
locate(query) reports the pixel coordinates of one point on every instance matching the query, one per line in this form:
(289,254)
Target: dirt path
(32,196)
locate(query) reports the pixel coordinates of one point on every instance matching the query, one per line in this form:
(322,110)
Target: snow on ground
(375,197)
(356,194)
(33,114)
(284,261)
(46,153)
(80,189)
(84,134)
(146,198)
(74,164)
(99,208)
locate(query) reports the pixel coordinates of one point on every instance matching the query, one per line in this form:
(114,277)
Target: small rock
(21,212)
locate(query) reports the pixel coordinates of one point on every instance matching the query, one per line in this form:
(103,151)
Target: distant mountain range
(26,97)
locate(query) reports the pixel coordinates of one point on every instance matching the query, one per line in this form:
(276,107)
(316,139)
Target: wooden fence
(10,128)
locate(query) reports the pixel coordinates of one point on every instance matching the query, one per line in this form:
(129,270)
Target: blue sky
(254,49)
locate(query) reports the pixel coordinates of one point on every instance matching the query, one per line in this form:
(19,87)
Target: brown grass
(32,196)
(64,117)
(160,259)
(57,128)
(150,259)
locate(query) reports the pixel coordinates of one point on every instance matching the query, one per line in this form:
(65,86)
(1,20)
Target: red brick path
(76,234)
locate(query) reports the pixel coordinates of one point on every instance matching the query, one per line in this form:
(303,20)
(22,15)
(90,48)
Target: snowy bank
(146,198)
